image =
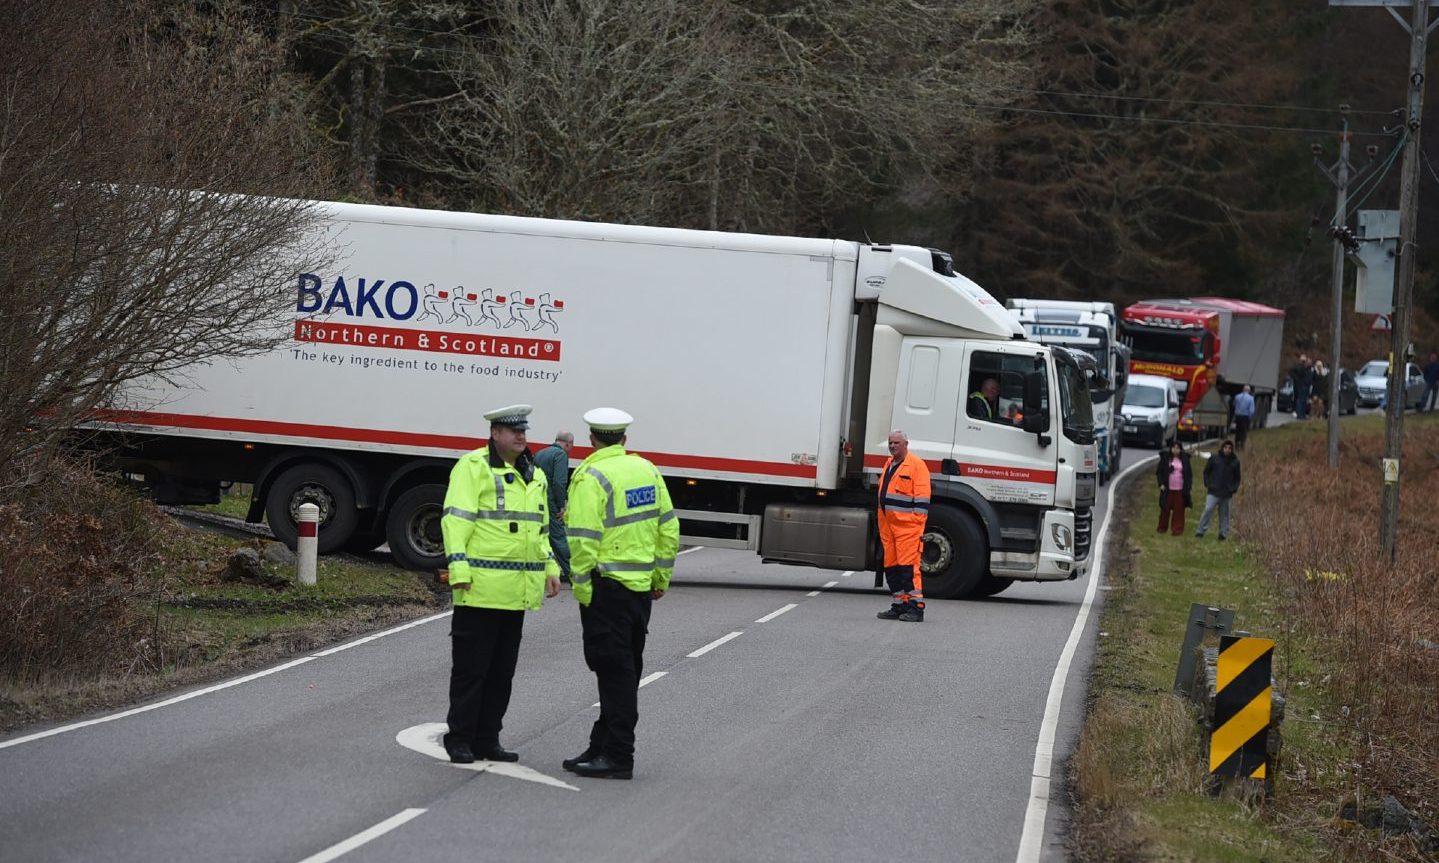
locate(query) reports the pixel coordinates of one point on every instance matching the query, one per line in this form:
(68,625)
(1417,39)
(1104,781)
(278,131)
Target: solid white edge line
(773,614)
(75,726)
(1031,840)
(713,644)
(363,836)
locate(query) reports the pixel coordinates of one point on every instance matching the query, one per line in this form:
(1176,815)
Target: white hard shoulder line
(284,666)
(1031,841)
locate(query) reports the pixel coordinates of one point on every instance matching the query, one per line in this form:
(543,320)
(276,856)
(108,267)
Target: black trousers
(1241,431)
(484,647)
(615,624)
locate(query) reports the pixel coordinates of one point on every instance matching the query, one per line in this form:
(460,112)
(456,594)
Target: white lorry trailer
(1092,327)
(765,374)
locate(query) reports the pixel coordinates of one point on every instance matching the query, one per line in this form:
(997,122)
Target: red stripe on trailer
(982,471)
(429,441)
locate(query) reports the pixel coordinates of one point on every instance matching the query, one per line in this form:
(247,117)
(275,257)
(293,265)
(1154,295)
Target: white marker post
(307,543)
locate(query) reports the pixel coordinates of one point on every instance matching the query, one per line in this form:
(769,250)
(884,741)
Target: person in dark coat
(1176,477)
(1221,481)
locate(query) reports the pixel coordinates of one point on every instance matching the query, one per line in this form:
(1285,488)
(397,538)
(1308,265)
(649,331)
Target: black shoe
(912,617)
(460,753)
(892,613)
(601,767)
(587,755)
(1221,537)
(496,753)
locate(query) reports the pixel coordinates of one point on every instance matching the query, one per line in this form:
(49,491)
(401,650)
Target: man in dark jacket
(1431,382)
(1221,481)
(1303,377)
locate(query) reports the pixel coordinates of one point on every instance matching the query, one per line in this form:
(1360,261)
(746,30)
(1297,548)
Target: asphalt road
(815,733)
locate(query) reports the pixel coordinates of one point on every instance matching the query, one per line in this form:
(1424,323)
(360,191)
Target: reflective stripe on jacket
(621,524)
(496,524)
(905,500)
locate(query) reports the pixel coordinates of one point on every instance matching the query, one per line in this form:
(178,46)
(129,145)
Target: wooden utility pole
(1339,176)
(1418,28)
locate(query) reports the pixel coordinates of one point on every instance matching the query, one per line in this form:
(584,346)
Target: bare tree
(723,115)
(142,154)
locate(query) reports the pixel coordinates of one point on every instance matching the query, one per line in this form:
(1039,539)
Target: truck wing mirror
(1036,418)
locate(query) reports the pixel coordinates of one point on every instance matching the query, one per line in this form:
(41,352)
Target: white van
(1151,410)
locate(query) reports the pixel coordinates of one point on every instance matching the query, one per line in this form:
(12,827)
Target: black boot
(601,767)
(588,755)
(894,612)
(460,753)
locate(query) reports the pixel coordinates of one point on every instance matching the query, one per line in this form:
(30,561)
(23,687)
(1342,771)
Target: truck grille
(1083,527)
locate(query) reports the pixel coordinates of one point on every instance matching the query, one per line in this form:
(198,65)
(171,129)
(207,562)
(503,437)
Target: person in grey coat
(1221,481)
(554,460)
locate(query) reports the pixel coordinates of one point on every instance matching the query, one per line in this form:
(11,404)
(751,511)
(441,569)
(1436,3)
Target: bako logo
(402,301)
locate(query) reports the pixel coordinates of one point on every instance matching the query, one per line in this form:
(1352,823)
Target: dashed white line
(846,573)
(688,550)
(647,679)
(713,644)
(363,836)
(828,585)
(812,593)
(773,614)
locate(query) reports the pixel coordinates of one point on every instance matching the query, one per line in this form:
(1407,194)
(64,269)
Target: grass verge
(1293,570)
(132,604)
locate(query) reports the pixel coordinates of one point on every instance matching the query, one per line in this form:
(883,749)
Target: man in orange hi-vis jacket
(903,509)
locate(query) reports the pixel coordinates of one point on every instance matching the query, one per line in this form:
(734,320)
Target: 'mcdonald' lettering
(401,300)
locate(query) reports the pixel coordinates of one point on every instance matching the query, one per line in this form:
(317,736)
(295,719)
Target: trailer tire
(955,556)
(323,486)
(413,528)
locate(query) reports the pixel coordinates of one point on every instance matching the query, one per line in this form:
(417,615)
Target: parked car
(1372,384)
(1348,394)
(1150,410)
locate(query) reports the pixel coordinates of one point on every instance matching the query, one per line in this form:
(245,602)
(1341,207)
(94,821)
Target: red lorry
(1211,346)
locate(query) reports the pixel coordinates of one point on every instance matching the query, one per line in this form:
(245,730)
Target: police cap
(608,420)
(514,416)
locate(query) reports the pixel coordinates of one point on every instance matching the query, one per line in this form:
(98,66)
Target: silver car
(1372,384)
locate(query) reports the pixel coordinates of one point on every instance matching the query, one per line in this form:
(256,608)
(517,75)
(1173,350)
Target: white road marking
(427,739)
(713,644)
(846,574)
(812,593)
(363,836)
(688,550)
(828,585)
(773,614)
(1031,841)
(75,726)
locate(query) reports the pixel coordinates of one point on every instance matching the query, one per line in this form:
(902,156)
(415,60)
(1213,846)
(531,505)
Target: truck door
(924,404)
(1001,461)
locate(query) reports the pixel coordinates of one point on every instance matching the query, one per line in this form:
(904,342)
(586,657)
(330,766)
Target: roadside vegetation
(1357,658)
(110,600)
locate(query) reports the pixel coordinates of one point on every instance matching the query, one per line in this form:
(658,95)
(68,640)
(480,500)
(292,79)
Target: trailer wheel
(413,528)
(323,486)
(955,556)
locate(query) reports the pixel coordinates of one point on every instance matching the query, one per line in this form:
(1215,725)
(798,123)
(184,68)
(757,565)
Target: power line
(1189,102)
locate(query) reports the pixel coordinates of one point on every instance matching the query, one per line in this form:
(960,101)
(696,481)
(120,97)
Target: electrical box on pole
(1374,279)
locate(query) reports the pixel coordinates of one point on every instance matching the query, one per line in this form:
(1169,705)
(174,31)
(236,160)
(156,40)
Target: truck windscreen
(1184,348)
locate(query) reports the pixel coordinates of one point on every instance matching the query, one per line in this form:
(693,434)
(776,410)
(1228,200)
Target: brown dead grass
(1376,622)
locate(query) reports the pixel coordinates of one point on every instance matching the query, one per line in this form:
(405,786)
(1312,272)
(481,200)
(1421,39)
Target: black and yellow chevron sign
(1242,698)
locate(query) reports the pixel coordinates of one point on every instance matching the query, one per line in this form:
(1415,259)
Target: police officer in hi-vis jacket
(623,536)
(496,527)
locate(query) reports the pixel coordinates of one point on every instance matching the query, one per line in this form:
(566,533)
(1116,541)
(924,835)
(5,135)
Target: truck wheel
(413,528)
(323,486)
(990,586)
(955,556)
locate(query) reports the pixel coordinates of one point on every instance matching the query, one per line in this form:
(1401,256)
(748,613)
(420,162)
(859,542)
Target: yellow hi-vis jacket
(497,532)
(621,524)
